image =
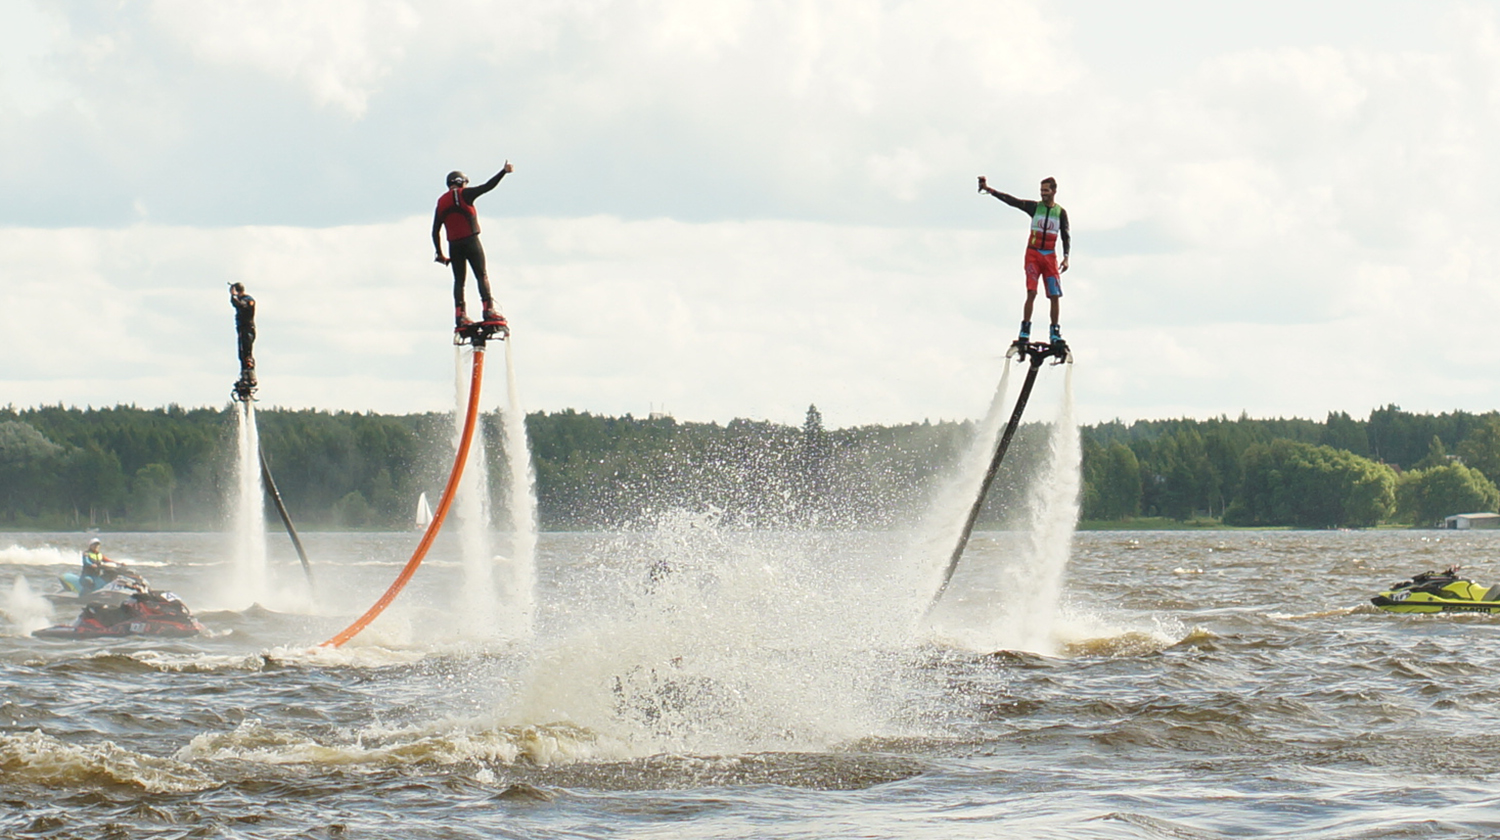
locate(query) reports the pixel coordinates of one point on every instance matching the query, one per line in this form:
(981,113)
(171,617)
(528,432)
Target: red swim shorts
(1043,264)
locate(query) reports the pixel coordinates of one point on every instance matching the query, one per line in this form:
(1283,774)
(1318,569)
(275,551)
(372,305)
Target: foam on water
(444,742)
(40,759)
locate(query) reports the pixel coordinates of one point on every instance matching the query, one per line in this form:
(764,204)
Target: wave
(18,555)
(36,758)
(439,744)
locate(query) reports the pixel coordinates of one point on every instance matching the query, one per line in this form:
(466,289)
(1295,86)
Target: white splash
(711,640)
(248,582)
(937,536)
(17,555)
(472,508)
(1027,603)
(24,609)
(519,606)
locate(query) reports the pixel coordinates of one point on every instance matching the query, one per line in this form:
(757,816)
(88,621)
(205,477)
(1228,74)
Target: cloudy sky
(734,209)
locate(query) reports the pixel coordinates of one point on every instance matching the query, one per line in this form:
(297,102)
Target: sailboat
(424,512)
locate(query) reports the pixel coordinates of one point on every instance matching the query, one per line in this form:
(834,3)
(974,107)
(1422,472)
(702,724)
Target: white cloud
(339,50)
(738,208)
(713,321)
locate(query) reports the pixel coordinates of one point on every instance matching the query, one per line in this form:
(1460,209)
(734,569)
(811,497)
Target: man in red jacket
(456,213)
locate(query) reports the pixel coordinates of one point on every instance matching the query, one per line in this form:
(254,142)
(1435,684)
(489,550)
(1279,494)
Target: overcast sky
(734,209)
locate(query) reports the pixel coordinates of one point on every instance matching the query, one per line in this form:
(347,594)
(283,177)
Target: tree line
(166,468)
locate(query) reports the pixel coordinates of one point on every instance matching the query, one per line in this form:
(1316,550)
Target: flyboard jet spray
(478,335)
(243,392)
(1026,352)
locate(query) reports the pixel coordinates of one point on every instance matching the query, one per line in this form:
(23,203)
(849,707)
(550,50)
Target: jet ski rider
(97,569)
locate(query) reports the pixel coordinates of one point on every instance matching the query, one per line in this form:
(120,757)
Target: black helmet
(457,178)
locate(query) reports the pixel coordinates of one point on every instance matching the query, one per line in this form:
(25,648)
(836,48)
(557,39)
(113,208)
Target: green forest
(171,468)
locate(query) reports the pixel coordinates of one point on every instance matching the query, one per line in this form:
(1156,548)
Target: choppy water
(696,682)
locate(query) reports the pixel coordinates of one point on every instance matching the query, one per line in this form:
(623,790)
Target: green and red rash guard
(1048,224)
(456,213)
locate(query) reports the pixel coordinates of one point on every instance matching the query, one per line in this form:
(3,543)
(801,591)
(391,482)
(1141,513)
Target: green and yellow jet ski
(1435,592)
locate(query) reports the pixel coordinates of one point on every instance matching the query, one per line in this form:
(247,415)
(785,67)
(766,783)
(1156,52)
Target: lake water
(694,682)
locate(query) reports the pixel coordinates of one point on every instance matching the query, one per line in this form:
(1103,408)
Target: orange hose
(437,518)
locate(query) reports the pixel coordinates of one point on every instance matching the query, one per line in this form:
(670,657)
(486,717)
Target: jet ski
(147,613)
(1435,592)
(122,584)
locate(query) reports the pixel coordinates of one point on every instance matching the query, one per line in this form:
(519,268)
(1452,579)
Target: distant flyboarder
(1049,223)
(455,211)
(244,324)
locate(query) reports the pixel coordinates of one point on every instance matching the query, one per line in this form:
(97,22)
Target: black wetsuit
(244,324)
(464,250)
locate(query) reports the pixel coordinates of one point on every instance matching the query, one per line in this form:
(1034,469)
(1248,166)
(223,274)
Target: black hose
(286,519)
(989,477)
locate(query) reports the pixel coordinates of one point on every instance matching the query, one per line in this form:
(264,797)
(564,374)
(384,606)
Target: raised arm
(1022,204)
(471,193)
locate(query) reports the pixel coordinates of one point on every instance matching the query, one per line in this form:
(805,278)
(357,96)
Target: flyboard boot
(244,387)
(491,325)
(1059,348)
(493,318)
(1019,347)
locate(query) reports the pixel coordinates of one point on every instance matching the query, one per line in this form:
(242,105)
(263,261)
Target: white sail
(424,512)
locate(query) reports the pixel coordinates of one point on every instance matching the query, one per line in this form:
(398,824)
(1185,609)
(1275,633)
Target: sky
(737,209)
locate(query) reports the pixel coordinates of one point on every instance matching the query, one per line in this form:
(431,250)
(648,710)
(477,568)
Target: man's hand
(1064,266)
(508,168)
(982,185)
(441,259)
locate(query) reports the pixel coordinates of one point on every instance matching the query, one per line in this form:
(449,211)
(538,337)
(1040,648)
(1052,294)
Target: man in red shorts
(456,213)
(1049,223)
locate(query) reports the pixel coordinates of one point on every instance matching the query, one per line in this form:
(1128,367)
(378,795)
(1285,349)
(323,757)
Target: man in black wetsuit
(244,324)
(1049,223)
(456,213)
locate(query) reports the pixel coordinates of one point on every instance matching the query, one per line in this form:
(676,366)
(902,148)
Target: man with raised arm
(244,327)
(1049,223)
(456,213)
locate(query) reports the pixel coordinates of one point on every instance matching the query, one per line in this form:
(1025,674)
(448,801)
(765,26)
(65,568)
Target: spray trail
(720,640)
(479,596)
(521,583)
(1027,604)
(935,536)
(24,609)
(249,519)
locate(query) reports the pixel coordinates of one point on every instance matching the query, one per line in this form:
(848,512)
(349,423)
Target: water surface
(695,682)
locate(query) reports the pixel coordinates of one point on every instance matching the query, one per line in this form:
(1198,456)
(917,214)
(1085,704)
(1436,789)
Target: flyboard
(243,391)
(476,334)
(1026,352)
